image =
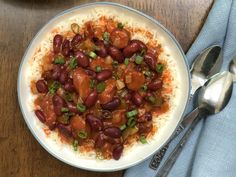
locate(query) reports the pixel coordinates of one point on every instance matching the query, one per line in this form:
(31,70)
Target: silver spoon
(206,64)
(232,68)
(212,98)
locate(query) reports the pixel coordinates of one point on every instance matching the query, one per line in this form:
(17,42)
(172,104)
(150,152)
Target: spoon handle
(157,158)
(168,164)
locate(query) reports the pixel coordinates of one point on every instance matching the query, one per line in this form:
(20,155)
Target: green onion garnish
(115,63)
(64,109)
(120,25)
(92,84)
(132,113)
(152,99)
(143,51)
(92,55)
(138,59)
(131,122)
(126,62)
(122,127)
(73,62)
(106,37)
(82,134)
(53,87)
(101,87)
(75,145)
(142,139)
(98,69)
(59,60)
(159,68)
(148,73)
(68,96)
(144,88)
(81,107)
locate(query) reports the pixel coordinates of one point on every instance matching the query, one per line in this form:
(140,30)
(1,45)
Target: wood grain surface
(20,154)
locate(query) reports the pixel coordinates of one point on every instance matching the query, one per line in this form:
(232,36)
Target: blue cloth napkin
(211,149)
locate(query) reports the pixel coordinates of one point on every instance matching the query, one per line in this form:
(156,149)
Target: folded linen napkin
(210,151)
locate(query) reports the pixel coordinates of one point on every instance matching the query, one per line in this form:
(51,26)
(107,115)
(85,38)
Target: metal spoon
(232,68)
(206,64)
(212,98)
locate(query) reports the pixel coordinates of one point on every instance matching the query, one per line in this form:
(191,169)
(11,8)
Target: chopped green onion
(143,139)
(73,62)
(59,60)
(122,127)
(144,87)
(64,109)
(131,122)
(81,107)
(126,62)
(95,48)
(101,87)
(53,87)
(120,25)
(132,113)
(106,37)
(143,51)
(138,59)
(75,145)
(115,63)
(92,83)
(98,69)
(82,134)
(68,96)
(159,68)
(93,55)
(148,73)
(152,99)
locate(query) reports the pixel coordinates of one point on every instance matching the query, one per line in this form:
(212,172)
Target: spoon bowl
(216,92)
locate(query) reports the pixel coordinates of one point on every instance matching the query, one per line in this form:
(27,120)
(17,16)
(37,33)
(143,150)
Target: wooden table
(20,154)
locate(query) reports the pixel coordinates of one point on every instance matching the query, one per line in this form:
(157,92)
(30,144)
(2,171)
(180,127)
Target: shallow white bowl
(134,155)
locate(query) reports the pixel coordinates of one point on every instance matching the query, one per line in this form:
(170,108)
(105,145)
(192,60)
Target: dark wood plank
(21,155)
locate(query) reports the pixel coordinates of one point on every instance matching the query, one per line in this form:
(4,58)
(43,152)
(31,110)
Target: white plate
(140,152)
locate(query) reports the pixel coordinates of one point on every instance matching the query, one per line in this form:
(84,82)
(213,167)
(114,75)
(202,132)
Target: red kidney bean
(100,140)
(150,60)
(56,72)
(137,99)
(58,101)
(145,118)
(82,59)
(69,86)
(66,48)
(117,151)
(102,49)
(131,49)
(91,73)
(94,122)
(41,86)
(113,132)
(57,41)
(65,130)
(104,75)
(76,40)
(41,116)
(113,140)
(63,77)
(120,38)
(112,105)
(116,54)
(140,43)
(57,110)
(91,99)
(145,127)
(72,107)
(155,84)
